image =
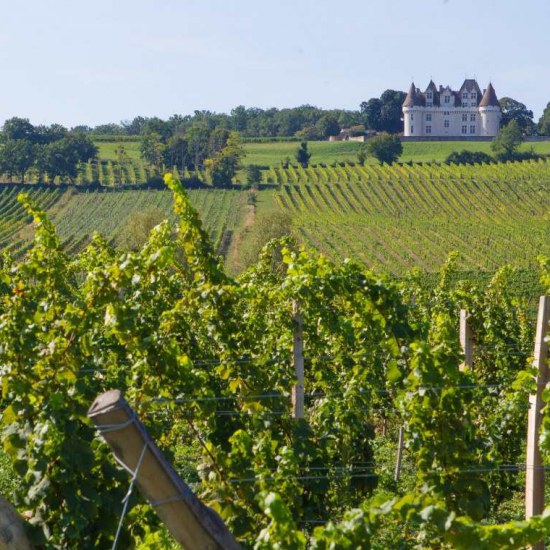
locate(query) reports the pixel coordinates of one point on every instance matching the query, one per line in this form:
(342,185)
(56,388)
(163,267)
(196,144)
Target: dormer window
(429,99)
(447,99)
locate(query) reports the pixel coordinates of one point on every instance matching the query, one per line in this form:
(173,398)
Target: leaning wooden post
(466,341)
(298,358)
(12,528)
(192,524)
(534,472)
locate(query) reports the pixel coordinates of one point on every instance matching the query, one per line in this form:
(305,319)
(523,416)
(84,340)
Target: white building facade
(442,112)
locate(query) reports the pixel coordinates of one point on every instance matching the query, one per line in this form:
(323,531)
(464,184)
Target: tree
(152,150)
(371,111)
(362,154)
(303,155)
(16,157)
(18,128)
(385,148)
(328,125)
(310,133)
(391,112)
(197,138)
(223,167)
(176,152)
(253,175)
(217,140)
(544,122)
(507,141)
(515,110)
(385,113)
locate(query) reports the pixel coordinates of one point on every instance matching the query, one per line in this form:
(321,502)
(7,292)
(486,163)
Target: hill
(391,218)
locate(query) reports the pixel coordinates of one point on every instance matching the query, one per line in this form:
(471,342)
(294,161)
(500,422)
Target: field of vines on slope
(79,213)
(207,362)
(397,217)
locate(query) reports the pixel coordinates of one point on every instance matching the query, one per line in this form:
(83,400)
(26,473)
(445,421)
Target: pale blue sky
(101,61)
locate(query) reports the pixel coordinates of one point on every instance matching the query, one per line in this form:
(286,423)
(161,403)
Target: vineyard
(210,364)
(78,213)
(394,218)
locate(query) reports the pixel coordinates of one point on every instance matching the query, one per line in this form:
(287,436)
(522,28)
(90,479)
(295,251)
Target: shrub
(468,157)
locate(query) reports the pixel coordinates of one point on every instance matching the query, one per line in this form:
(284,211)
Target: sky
(74,62)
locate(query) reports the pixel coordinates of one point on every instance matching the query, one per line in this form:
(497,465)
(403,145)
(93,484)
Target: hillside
(391,218)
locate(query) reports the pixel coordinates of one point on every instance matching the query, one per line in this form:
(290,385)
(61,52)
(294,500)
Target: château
(442,112)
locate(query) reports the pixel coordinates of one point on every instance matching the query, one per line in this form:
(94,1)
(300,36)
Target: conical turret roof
(411,100)
(489,98)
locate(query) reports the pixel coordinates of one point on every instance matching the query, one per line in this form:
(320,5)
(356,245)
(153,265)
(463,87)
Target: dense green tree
(386,148)
(371,111)
(18,128)
(217,140)
(176,152)
(328,125)
(303,155)
(384,114)
(253,175)
(49,134)
(197,138)
(223,166)
(152,150)
(506,143)
(239,116)
(61,158)
(16,157)
(515,110)
(391,113)
(310,133)
(544,122)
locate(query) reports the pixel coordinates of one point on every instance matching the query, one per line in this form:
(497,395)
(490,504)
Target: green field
(273,153)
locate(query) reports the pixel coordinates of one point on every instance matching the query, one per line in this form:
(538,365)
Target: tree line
(50,151)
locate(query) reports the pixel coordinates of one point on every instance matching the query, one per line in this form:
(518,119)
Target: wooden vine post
(298,359)
(399,459)
(193,525)
(466,341)
(534,472)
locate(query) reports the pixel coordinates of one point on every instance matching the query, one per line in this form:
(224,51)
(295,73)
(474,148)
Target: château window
(464,118)
(464,95)
(472,129)
(428,129)
(446,113)
(472,118)
(473,95)
(412,116)
(446,124)
(412,129)
(429,117)
(447,99)
(464,129)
